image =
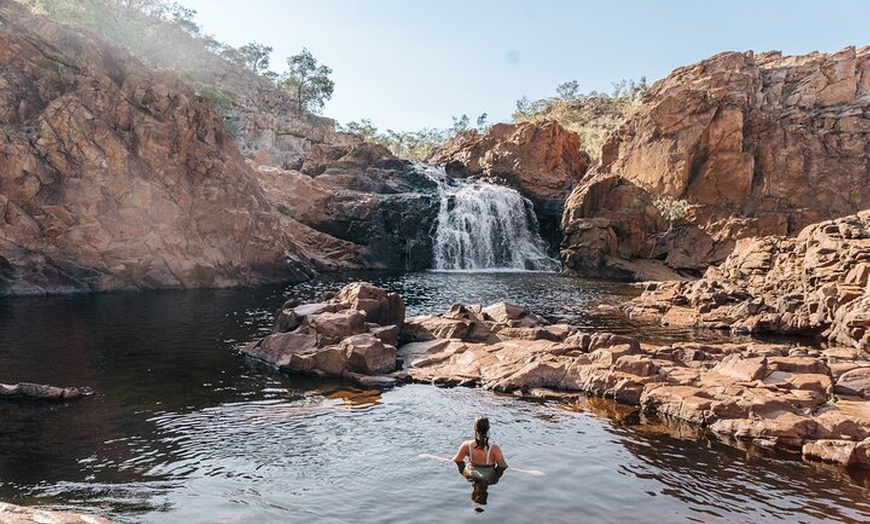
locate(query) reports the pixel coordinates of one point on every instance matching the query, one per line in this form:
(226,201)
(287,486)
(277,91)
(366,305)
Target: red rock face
(116,176)
(757,144)
(817,283)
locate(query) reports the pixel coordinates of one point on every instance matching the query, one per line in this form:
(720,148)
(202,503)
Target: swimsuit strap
(488,450)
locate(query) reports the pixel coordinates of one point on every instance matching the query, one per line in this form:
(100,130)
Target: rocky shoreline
(781,396)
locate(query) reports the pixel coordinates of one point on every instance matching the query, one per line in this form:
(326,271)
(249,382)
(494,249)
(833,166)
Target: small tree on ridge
(307,81)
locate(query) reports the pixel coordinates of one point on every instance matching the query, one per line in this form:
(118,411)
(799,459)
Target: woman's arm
(498,457)
(459,458)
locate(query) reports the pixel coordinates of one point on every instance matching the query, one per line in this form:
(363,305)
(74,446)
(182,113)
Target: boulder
(285,351)
(381,307)
(742,369)
(835,451)
(332,328)
(343,335)
(855,382)
(368,355)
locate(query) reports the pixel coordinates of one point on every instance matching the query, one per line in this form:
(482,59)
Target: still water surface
(184,429)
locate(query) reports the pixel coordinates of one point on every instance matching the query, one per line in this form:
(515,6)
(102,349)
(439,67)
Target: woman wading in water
(485,463)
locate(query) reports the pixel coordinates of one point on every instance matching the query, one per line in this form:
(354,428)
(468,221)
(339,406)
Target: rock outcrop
(379,211)
(114,176)
(757,145)
(542,161)
(12,514)
(808,401)
(815,402)
(815,284)
(352,334)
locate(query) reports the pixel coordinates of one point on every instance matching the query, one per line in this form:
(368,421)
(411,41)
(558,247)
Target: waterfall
(483,226)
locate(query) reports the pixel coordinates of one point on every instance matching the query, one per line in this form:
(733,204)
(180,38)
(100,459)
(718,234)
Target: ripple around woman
(485,462)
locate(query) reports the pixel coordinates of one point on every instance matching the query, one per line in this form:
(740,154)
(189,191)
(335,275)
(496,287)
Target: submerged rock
(28,390)
(12,514)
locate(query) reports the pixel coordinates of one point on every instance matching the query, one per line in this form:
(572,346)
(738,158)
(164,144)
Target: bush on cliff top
(594,116)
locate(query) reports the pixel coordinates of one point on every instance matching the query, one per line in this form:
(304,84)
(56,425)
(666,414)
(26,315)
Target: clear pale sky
(409,64)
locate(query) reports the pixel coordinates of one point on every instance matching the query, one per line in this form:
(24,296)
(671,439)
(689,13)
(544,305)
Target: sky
(413,64)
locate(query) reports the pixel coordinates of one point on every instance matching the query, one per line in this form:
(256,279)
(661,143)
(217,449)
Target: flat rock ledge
(815,402)
(12,514)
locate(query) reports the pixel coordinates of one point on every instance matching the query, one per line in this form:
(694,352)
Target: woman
(485,460)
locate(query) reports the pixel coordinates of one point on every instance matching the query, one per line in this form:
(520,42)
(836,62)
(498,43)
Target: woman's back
(481,456)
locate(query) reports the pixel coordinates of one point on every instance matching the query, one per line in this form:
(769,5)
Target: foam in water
(483,226)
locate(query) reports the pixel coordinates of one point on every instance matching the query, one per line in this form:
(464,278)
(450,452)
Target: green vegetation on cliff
(164,34)
(594,116)
(415,145)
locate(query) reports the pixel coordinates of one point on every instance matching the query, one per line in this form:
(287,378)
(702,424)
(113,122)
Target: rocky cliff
(815,284)
(757,144)
(542,161)
(115,176)
(378,211)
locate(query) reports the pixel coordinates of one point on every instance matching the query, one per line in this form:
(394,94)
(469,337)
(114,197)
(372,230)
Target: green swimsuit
(481,472)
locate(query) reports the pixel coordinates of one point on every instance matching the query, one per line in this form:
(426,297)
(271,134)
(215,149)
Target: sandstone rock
(12,514)
(682,402)
(724,134)
(29,390)
(332,328)
(115,176)
(855,382)
(336,336)
(742,369)
(798,365)
(791,427)
(800,291)
(861,455)
(844,420)
(366,354)
(627,345)
(290,351)
(387,225)
(836,451)
(380,307)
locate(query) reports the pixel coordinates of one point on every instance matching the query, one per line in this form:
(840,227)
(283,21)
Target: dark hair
(481,432)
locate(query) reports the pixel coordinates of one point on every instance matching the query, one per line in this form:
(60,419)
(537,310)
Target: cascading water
(483,226)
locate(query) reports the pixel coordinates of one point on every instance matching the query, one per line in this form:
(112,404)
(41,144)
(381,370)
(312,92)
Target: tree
(460,124)
(671,209)
(568,90)
(253,56)
(307,81)
(481,121)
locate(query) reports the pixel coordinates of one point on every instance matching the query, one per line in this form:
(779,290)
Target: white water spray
(483,226)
